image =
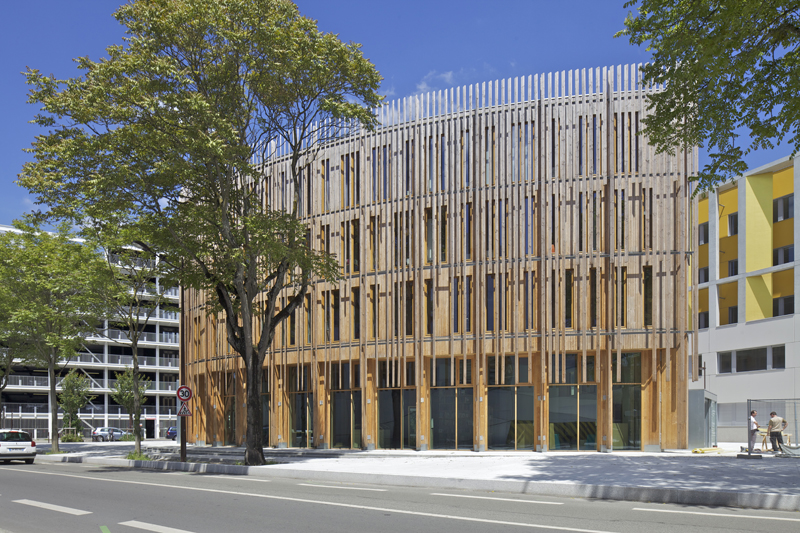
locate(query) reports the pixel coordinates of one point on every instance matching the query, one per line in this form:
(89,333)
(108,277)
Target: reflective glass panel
(340,419)
(466,402)
(501,431)
(443,419)
(627,417)
(587,412)
(526,432)
(563,417)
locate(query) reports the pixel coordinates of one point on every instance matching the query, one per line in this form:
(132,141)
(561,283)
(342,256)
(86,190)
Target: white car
(16,444)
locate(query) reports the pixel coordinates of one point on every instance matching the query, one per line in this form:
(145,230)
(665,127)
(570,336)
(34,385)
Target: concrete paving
(717,479)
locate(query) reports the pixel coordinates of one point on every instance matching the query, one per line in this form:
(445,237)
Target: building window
(568,287)
(355,303)
(702,320)
(724,363)
(702,275)
(647,276)
(733,224)
(752,360)
(783,306)
(702,233)
(733,267)
(733,314)
(778,357)
(783,208)
(783,255)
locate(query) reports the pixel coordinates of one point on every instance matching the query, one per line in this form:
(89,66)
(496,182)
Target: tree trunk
(137,400)
(51,373)
(254,438)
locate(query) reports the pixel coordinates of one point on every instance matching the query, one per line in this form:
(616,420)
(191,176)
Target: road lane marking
(152,527)
(51,507)
(496,499)
(335,487)
(318,502)
(244,478)
(718,514)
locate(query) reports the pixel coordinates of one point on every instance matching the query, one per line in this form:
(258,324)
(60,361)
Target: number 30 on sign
(184,393)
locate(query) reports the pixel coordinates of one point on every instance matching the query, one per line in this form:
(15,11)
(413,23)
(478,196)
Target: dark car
(172,432)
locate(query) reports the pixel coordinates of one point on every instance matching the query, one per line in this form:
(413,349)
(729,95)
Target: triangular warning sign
(184,410)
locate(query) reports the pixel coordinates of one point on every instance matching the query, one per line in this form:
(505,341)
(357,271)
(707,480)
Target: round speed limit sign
(184,393)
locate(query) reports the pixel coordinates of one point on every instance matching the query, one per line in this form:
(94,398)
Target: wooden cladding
(523,226)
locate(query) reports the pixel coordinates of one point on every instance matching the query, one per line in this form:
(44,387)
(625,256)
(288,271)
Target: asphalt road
(64,497)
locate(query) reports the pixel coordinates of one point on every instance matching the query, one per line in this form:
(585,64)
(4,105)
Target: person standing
(775,427)
(751,443)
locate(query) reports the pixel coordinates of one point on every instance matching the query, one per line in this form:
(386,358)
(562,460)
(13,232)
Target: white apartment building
(103,355)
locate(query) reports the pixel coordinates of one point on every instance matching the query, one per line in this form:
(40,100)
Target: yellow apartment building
(747,279)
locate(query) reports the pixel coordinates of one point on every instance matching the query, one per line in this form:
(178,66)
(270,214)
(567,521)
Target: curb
(751,500)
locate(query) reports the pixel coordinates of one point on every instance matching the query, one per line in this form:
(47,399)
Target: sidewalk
(666,477)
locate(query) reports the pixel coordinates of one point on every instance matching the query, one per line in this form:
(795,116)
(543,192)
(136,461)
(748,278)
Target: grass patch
(127,438)
(55,453)
(133,456)
(71,438)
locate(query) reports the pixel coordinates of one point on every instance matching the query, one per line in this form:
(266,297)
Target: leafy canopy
(726,66)
(74,395)
(169,135)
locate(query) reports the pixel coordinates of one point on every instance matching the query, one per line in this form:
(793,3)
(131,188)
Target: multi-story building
(103,356)
(748,342)
(514,257)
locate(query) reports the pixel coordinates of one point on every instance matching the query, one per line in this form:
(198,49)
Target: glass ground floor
(446,404)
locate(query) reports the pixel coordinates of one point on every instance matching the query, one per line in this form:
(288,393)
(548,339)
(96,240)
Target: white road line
(496,499)
(243,478)
(51,507)
(152,527)
(718,514)
(335,487)
(318,502)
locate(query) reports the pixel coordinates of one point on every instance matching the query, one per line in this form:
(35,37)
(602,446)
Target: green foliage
(133,456)
(164,139)
(725,65)
(48,298)
(72,437)
(122,392)
(128,438)
(74,395)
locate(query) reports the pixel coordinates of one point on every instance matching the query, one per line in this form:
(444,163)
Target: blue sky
(416,45)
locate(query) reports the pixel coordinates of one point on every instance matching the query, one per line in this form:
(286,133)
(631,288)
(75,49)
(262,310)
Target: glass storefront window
(510,418)
(627,417)
(397,418)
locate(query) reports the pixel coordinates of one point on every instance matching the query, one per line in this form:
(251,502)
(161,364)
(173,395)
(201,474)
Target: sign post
(184,394)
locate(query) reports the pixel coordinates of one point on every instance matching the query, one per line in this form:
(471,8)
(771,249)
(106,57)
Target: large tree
(49,282)
(170,131)
(729,69)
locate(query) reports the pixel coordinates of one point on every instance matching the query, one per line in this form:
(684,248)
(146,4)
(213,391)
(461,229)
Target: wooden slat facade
(521,234)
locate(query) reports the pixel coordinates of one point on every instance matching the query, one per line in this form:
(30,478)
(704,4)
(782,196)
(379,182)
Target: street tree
(728,69)
(6,369)
(52,305)
(136,292)
(75,387)
(170,131)
(128,391)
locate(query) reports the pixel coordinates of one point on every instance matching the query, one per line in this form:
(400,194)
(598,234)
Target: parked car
(110,434)
(16,444)
(172,432)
